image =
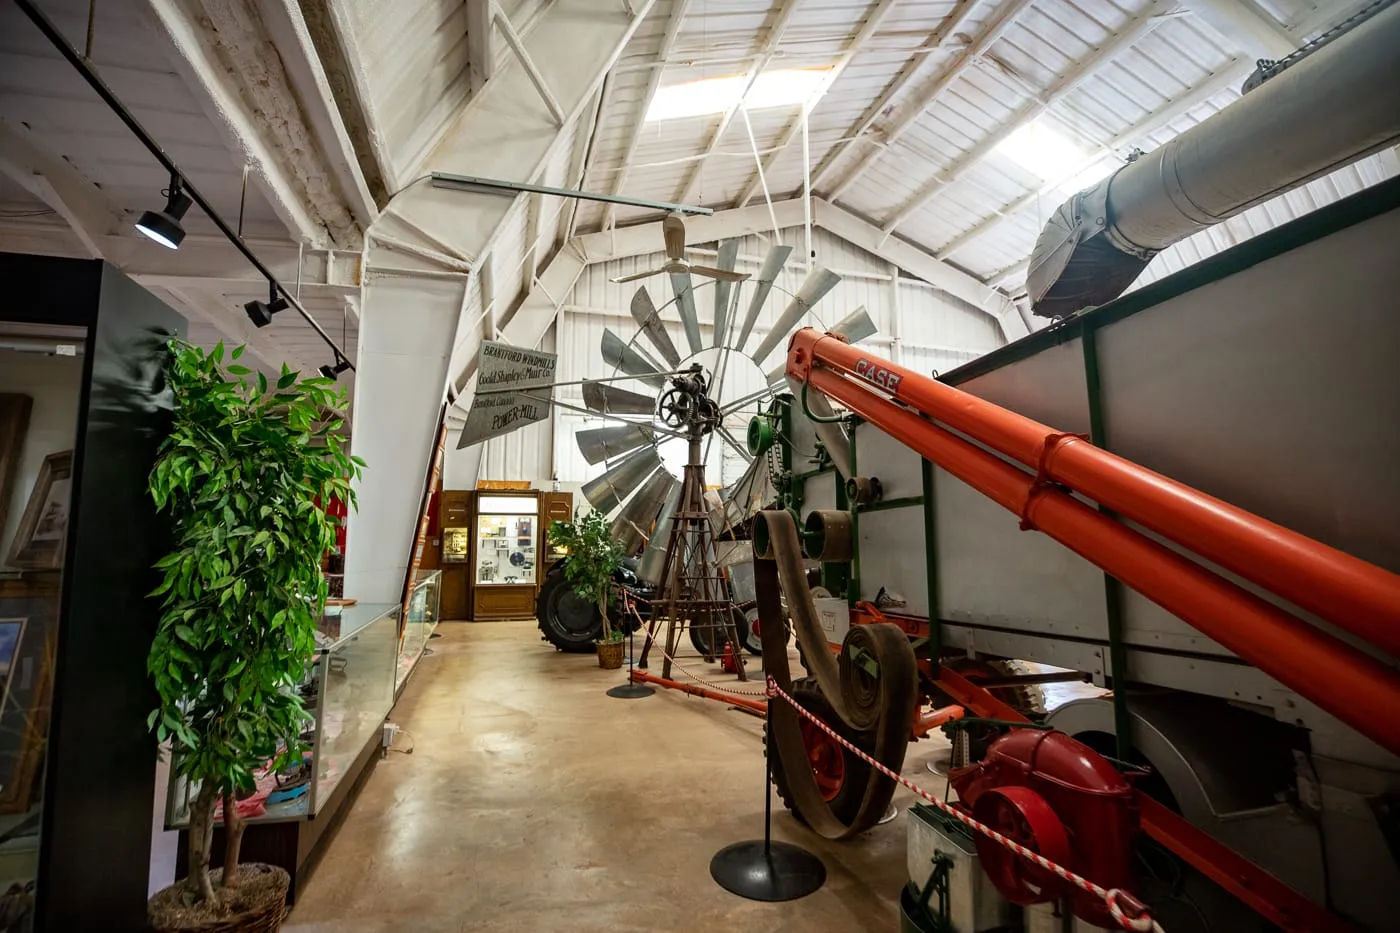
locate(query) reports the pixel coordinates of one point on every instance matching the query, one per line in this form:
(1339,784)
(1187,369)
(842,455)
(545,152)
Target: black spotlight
(261,312)
(331,372)
(164,226)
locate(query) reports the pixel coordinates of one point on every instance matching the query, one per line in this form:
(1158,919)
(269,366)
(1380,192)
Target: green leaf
(237,351)
(262,383)
(239,370)
(288,378)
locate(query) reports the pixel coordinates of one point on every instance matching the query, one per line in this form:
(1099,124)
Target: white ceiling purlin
(668,41)
(782,19)
(56,183)
(871,25)
(1116,45)
(480,60)
(991,32)
(232,323)
(221,49)
(1246,26)
(1224,78)
(911,72)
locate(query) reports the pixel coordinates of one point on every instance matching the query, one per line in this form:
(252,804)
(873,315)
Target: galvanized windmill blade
(630,360)
(608,491)
(728,255)
(818,282)
(685,305)
(855,327)
(599,444)
(632,526)
(610,400)
(763,285)
(651,565)
(645,314)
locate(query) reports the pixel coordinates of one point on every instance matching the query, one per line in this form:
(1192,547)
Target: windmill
(639,488)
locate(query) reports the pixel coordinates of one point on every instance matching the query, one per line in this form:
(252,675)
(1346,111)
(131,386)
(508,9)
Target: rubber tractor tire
(567,621)
(841,775)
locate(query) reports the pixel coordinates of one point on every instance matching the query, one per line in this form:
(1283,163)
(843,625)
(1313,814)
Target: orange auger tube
(1297,654)
(1356,596)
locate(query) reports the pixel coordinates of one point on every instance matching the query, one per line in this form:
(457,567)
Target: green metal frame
(934,648)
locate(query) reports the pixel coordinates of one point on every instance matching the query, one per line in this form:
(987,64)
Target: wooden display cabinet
(504,571)
(554,507)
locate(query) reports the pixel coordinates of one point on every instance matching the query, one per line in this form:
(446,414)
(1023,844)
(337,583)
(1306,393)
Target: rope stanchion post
(1115,900)
(764,870)
(631,690)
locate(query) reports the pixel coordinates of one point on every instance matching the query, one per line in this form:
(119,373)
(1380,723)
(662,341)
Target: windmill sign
(502,403)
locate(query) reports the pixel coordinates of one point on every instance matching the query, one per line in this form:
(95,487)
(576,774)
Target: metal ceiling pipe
(1354,595)
(1336,106)
(1298,655)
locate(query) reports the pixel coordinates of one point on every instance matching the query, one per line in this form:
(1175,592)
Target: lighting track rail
(81,65)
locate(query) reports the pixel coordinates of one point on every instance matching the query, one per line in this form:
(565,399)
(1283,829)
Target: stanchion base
(782,872)
(631,691)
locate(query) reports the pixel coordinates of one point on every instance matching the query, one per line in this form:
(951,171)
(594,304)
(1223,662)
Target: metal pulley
(827,535)
(864,490)
(760,436)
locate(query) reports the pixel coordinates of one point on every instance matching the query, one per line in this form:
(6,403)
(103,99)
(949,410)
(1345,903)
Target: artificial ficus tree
(240,477)
(593,559)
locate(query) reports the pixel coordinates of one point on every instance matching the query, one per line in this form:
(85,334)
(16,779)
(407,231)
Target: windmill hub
(730,376)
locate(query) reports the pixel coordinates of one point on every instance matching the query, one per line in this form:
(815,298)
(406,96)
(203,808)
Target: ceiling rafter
(222,49)
(993,30)
(783,18)
(58,184)
(912,71)
(634,137)
(1224,78)
(1067,81)
(1255,32)
(873,20)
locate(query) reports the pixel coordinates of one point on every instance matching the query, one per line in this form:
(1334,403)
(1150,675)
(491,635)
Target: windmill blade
(644,312)
(818,282)
(599,444)
(722,275)
(855,327)
(608,491)
(724,321)
(728,254)
(747,493)
(610,400)
(685,304)
(632,526)
(652,564)
(772,266)
(624,279)
(629,359)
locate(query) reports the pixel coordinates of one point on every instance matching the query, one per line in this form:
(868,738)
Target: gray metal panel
(819,493)
(1275,389)
(891,545)
(896,466)
(991,572)
(1048,387)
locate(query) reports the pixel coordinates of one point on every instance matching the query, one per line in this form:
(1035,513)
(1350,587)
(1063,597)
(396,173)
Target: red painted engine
(1057,797)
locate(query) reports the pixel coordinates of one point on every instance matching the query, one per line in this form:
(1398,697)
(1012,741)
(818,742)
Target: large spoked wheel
(841,775)
(708,638)
(568,621)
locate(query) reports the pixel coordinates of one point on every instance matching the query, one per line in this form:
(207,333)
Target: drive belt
(884,703)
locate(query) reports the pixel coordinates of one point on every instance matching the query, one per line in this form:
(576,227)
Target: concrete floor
(532,802)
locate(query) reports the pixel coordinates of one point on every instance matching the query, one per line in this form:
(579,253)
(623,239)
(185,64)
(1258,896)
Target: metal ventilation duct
(1331,109)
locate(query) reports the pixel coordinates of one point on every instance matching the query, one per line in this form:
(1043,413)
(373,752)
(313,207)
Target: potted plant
(239,476)
(593,558)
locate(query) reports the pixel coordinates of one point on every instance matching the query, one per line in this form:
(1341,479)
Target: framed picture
(43,530)
(14,423)
(28,630)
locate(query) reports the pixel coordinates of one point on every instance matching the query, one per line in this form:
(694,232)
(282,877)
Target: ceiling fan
(673,229)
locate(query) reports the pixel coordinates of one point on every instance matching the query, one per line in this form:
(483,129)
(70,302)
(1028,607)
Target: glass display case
(348,690)
(423,604)
(507,540)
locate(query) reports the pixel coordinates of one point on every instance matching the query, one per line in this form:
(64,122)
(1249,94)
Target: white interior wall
(55,385)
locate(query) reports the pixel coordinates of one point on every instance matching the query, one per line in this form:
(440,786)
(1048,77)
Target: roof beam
(480,58)
(873,21)
(517,45)
(1226,77)
(774,38)
(1059,88)
(1249,28)
(991,32)
(668,41)
(55,182)
(276,110)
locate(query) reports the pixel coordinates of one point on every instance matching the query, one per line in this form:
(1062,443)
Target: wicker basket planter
(610,654)
(259,908)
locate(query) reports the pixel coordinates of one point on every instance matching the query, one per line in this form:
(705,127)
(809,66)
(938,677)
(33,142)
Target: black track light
(164,226)
(261,312)
(332,372)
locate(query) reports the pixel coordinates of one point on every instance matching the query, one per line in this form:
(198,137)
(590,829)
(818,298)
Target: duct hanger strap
(1128,911)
